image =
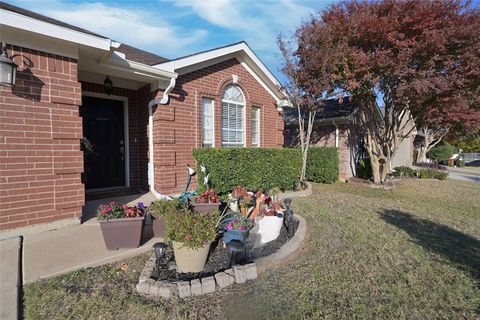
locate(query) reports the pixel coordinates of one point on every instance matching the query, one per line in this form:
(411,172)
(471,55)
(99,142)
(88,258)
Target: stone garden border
(237,274)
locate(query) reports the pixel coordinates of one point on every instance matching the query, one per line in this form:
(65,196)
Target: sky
(174,28)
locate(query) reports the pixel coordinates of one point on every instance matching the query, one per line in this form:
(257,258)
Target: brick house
(64,133)
(334,127)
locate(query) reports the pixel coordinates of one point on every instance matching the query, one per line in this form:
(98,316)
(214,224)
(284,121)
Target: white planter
(269,228)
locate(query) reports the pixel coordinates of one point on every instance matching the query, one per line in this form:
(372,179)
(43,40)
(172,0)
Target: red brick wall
(324,136)
(40,131)
(137,132)
(176,135)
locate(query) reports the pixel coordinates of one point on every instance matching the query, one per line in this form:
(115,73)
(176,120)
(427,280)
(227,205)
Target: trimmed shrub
(404,171)
(442,152)
(460,163)
(432,174)
(253,168)
(322,164)
(364,169)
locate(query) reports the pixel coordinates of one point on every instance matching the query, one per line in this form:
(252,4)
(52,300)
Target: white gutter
(151,168)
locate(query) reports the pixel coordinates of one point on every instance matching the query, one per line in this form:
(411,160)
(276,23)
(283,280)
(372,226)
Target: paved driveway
(465,174)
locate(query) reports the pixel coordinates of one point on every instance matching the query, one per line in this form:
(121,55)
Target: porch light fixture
(108,85)
(8,68)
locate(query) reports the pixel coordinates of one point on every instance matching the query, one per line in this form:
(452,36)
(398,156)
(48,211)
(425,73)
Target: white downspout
(337,134)
(151,169)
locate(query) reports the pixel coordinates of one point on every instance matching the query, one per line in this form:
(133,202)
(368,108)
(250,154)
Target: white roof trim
(244,54)
(117,62)
(20,21)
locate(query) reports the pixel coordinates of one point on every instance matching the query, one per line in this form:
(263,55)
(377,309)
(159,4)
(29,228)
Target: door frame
(125,131)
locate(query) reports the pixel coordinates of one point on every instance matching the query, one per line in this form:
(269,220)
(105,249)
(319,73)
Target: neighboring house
(334,127)
(61,96)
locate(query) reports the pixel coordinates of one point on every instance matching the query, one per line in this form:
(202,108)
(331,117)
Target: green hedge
(253,168)
(322,164)
(257,168)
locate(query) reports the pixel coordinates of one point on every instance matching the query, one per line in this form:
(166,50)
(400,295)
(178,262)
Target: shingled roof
(332,109)
(34,15)
(131,53)
(141,56)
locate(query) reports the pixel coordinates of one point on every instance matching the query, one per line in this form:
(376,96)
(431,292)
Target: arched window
(233,117)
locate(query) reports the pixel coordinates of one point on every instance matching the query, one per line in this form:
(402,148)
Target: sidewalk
(10,278)
(56,252)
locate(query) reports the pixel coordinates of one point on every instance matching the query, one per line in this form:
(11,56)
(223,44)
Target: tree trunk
(375,164)
(422,155)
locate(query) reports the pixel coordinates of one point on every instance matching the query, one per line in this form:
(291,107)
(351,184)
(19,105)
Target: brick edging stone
(237,274)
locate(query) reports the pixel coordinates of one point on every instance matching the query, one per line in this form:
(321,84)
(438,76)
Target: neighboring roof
(34,15)
(332,110)
(139,55)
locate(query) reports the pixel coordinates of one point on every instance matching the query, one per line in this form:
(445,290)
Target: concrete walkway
(48,252)
(10,278)
(56,252)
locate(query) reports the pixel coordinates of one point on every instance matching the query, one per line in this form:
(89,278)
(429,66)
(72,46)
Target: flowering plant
(238,192)
(273,209)
(208,196)
(193,229)
(239,224)
(114,210)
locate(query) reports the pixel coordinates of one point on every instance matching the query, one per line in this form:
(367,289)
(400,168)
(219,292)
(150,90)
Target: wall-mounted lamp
(8,68)
(108,85)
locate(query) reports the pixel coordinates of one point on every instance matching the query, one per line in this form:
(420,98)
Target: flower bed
(206,243)
(168,283)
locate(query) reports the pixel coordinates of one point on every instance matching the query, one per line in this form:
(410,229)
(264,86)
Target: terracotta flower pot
(122,233)
(269,228)
(158,225)
(205,207)
(190,260)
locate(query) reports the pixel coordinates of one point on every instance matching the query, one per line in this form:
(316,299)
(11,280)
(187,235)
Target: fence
(470,156)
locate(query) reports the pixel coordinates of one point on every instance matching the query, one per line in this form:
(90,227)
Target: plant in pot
(237,229)
(207,202)
(191,234)
(271,221)
(237,193)
(245,204)
(158,210)
(121,225)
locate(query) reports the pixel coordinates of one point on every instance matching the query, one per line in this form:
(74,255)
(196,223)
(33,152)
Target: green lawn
(408,253)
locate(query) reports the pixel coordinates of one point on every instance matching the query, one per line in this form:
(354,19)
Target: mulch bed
(218,259)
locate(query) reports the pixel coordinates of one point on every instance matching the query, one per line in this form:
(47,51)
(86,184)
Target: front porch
(58,251)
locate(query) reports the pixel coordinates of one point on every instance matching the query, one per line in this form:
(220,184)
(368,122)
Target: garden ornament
(289,221)
(159,248)
(186,194)
(236,252)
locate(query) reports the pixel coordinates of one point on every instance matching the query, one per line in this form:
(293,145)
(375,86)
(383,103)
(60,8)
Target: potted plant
(207,202)
(245,204)
(158,210)
(270,222)
(237,193)
(121,225)
(237,229)
(191,234)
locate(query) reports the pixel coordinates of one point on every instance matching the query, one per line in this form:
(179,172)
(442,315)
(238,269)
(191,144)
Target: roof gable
(241,51)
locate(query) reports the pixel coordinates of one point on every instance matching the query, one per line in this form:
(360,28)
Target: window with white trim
(208,132)
(233,117)
(255,127)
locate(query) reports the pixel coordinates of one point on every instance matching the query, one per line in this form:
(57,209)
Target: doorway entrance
(104,143)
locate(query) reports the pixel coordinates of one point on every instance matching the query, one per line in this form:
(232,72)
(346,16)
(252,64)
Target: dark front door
(104,144)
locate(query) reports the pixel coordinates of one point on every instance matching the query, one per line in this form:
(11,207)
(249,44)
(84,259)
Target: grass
(408,253)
